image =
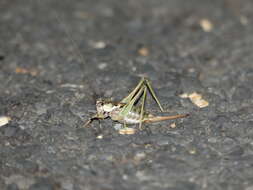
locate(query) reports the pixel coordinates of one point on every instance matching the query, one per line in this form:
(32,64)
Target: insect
(127,112)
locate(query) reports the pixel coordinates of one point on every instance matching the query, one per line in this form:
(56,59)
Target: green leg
(153,94)
(131,99)
(143,106)
(125,125)
(128,107)
(134,91)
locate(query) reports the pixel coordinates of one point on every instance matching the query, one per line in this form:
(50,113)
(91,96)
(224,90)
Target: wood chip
(206,25)
(184,95)
(21,70)
(143,51)
(127,131)
(196,99)
(4,120)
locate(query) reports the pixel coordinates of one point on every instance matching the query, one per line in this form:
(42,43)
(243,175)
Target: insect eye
(100,103)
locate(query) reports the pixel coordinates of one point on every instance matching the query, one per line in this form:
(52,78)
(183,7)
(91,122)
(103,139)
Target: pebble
(102,66)
(98,45)
(139,156)
(118,126)
(206,25)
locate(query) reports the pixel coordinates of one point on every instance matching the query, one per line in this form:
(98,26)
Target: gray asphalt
(58,57)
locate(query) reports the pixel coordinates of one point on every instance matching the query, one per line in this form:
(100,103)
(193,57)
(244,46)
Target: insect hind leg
(143,107)
(152,92)
(130,96)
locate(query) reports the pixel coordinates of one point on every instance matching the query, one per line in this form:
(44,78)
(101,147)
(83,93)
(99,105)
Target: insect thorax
(105,108)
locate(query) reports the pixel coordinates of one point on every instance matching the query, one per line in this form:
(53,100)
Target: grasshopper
(127,112)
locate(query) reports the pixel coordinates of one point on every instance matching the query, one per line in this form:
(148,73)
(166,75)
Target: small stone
(173,125)
(100,137)
(162,142)
(102,66)
(139,156)
(118,126)
(206,25)
(134,69)
(125,177)
(98,45)
(192,151)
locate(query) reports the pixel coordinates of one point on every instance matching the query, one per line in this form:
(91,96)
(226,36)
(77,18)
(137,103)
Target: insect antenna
(67,31)
(94,93)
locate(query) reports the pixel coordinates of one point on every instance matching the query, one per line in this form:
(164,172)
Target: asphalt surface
(56,57)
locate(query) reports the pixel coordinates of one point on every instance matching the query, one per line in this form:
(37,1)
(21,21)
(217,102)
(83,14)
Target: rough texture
(183,46)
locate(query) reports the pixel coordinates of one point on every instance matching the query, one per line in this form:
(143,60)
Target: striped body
(113,110)
(132,117)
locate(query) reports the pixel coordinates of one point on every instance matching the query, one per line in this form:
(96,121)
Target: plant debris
(127,131)
(4,120)
(196,99)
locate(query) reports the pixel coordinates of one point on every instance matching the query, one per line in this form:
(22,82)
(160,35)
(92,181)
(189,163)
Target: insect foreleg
(94,117)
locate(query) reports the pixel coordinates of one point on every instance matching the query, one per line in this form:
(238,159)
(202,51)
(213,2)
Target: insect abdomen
(133,117)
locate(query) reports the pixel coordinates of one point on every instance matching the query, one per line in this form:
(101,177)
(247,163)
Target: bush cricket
(127,112)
